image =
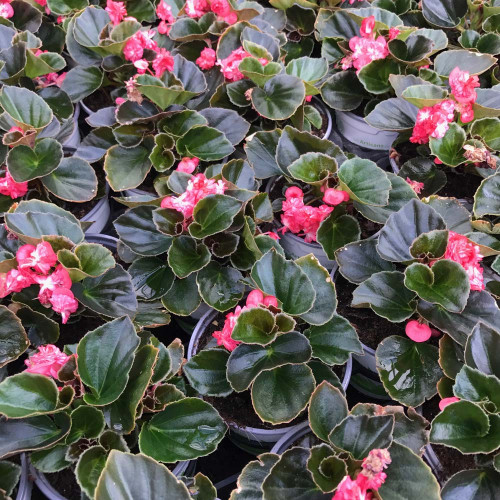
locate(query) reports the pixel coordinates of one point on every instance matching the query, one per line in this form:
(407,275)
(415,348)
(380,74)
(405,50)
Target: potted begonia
(368,45)
(261,362)
(51,277)
(423,266)
(196,247)
(71,408)
(322,199)
(347,454)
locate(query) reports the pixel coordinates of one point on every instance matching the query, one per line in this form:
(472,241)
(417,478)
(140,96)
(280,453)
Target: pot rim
(202,324)
(98,206)
(25,485)
(326,109)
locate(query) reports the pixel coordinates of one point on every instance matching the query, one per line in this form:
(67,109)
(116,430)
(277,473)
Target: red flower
(229,66)
(415,185)
(447,401)
(6,9)
(334,196)
(18,279)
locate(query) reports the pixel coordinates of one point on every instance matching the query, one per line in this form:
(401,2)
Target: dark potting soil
(371,329)
(223,463)
(237,407)
(65,483)
(98,100)
(452,461)
(460,184)
(72,333)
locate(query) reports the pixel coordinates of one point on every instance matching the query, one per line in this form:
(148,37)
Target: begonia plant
(356,454)
(280,344)
(113,392)
(423,265)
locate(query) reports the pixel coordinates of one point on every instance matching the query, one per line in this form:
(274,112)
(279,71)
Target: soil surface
(452,461)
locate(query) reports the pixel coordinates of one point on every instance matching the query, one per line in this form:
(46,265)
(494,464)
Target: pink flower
(393,33)
(163,62)
(272,235)
(294,192)
(47,361)
(188,165)
(270,300)
(220,7)
(42,3)
(224,336)
(229,65)
(120,100)
(468,255)
(207,58)
(164,12)
(6,10)
(462,85)
(254,299)
(433,121)
(371,477)
(51,79)
(334,196)
(309,98)
(447,401)
(367,26)
(198,187)
(418,332)
(116,11)
(63,302)
(196,8)
(133,49)
(231,18)
(415,185)
(59,278)
(9,187)
(299,218)
(19,279)
(366,50)
(41,258)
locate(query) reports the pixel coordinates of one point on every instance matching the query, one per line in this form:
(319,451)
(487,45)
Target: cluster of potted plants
(274,224)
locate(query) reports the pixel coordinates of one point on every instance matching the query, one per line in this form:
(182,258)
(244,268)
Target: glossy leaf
(284,279)
(105,357)
(336,231)
(408,370)
(275,400)
(13,338)
(186,429)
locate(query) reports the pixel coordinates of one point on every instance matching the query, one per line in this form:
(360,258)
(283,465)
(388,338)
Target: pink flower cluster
(198,187)
(50,78)
(304,219)
(367,48)
(9,187)
(197,8)
(230,65)
(371,477)
(207,58)
(255,299)
(47,361)
(6,9)
(433,121)
(34,266)
(116,11)
(134,50)
(164,12)
(468,255)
